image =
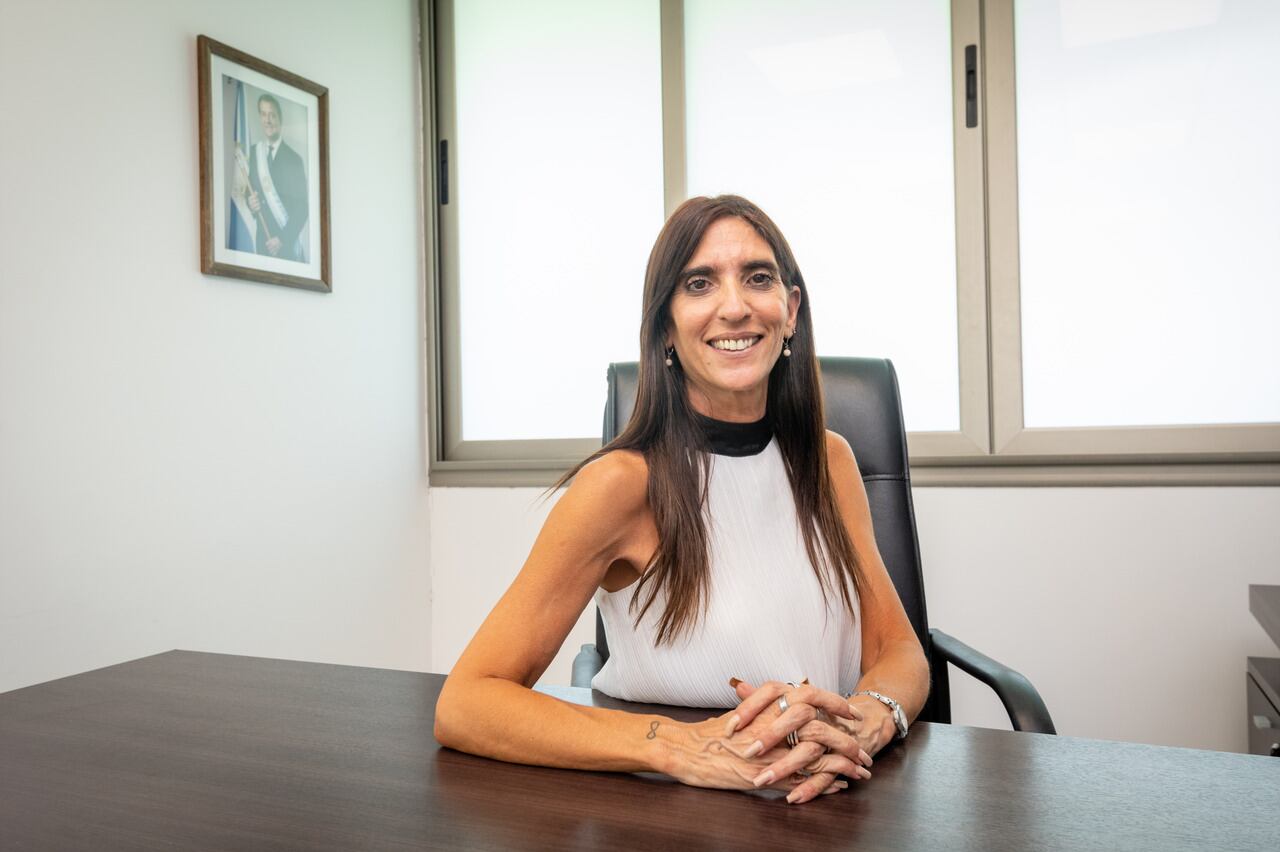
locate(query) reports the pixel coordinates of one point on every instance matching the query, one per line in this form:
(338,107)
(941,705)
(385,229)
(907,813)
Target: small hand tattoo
(718,746)
(653,731)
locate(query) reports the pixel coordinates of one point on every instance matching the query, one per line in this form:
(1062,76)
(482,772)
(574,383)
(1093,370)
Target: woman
(726,537)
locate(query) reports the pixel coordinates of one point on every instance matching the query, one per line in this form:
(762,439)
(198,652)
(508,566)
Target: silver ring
(783,704)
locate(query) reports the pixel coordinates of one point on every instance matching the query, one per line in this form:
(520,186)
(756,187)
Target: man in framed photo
(277,187)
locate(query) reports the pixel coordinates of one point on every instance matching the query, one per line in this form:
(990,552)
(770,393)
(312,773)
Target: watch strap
(899,717)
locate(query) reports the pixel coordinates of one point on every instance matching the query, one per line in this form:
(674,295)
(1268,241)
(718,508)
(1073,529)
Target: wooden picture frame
(264,171)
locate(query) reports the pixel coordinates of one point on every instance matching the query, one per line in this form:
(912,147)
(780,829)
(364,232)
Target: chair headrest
(862,404)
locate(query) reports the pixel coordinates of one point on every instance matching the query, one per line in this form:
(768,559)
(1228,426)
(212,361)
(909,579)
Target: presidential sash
(268,186)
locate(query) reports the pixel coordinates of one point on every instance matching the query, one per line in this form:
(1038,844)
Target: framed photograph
(264,171)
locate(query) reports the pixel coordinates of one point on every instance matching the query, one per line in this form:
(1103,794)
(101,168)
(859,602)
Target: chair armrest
(1021,700)
(585,666)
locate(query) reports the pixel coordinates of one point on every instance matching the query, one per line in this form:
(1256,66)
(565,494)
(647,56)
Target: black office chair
(863,405)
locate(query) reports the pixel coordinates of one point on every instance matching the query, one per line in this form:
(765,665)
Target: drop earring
(786,347)
(671,350)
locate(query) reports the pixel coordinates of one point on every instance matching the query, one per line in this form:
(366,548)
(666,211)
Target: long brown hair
(664,430)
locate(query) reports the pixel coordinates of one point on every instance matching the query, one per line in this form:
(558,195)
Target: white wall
(1126,607)
(198,462)
(481,538)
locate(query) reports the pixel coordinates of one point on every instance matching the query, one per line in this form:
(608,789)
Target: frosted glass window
(558,152)
(835,118)
(1149,204)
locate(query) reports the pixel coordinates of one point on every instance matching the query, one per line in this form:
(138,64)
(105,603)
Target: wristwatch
(899,718)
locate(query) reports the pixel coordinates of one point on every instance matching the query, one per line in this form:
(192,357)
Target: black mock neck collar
(736,439)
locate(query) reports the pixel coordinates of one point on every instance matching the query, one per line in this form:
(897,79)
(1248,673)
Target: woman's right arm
(487,706)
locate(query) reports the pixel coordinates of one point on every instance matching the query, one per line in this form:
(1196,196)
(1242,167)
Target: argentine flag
(240,222)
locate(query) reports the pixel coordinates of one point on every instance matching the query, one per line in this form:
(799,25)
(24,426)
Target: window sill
(955,473)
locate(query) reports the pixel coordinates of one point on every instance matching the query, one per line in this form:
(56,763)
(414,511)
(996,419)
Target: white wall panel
(199,462)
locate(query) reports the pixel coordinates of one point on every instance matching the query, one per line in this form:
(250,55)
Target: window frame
(992,446)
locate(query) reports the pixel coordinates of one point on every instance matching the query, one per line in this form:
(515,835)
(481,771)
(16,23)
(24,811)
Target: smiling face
(729,316)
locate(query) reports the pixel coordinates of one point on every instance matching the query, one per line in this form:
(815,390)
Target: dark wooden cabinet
(1264,718)
(1262,680)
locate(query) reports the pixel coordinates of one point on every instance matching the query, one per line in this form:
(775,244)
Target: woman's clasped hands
(748,748)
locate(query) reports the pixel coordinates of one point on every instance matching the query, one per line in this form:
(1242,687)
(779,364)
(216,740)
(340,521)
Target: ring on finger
(783,704)
(793,739)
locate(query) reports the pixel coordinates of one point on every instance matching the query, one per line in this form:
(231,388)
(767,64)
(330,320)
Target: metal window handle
(443,179)
(971,85)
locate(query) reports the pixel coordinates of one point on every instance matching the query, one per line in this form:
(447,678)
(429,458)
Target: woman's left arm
(893,663)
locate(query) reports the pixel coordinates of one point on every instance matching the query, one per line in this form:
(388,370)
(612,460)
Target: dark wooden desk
(206,751)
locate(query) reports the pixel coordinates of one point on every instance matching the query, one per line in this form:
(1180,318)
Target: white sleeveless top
(766,618)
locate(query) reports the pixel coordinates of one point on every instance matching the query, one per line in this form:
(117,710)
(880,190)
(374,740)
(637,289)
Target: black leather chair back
(863,405)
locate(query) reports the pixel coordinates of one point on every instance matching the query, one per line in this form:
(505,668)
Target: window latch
(971,85)
(443,178)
